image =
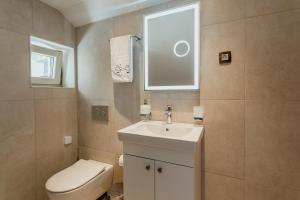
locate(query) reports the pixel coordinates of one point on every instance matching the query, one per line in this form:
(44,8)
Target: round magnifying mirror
(181,48)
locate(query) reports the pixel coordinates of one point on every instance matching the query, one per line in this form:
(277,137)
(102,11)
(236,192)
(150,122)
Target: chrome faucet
(169,114)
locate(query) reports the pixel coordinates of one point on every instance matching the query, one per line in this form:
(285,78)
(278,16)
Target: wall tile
(271,193)
(177,3)
(101,135)
(128,24)
(272,144)
(20,178)
(69,34)
(54,120)
(17,167)
(48,127)
(16,118)
(126,100)
(222,187)
(94,154)
(54,93)
(223,81)
(14,76)
(70,155)
(42,93)
(183,95)
(46,167)
(272,54)
(50,24)
(94,78)
(216,11)
(103,156)
(182,103)
(91,133)
(65,93)
(68,111)
(69,128)
(182,109)
(16,15)
(155,9)
(261,7)
(224,137)
(158,102)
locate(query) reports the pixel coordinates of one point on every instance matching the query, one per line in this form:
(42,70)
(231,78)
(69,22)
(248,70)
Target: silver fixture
(136,37)
(169,114)
(100,113)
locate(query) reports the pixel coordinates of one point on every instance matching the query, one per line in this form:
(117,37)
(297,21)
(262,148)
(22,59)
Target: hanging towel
(121,59)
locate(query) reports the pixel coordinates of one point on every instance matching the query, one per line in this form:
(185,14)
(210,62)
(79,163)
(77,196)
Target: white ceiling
(81,12)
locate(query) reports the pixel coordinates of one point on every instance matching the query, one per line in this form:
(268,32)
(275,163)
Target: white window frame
(56,80)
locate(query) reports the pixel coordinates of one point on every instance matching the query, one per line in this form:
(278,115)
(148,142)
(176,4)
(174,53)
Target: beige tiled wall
(252,105)
(32,120)
(251,144)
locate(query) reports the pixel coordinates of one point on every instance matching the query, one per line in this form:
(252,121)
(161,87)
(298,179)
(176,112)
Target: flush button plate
(100,113)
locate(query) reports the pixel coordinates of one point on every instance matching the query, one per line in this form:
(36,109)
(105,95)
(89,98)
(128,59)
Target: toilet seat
(86,179)
(74,176)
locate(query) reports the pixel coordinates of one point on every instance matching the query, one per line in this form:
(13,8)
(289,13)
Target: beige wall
(32,120)
(253,105)
(251,144)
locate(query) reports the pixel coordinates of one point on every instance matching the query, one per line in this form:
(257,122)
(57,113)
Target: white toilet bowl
(84,180)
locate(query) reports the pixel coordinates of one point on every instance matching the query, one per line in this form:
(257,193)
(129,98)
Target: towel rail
(136,37)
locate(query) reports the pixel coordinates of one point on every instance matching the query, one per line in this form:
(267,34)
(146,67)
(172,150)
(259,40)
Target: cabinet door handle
(159,170)
(148,167)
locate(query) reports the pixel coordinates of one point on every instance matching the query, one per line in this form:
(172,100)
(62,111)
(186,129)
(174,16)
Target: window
(52,64)
(46,66)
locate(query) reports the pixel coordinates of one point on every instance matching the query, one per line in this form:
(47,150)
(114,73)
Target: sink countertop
(177,136)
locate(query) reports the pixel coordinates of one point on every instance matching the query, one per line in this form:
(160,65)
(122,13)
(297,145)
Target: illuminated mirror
(172,49)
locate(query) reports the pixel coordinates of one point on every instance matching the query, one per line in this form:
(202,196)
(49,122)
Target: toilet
(84,180)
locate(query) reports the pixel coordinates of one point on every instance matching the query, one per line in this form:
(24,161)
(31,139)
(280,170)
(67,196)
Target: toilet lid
(74,176)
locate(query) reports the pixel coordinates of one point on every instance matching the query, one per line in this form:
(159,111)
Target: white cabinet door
(138,178)
(173,182)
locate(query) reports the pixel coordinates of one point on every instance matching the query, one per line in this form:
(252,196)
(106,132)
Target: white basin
(159,134)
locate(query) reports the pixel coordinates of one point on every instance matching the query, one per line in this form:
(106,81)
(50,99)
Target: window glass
(46,66)
(42,66)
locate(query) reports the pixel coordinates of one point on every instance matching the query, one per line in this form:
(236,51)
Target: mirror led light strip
(195,86)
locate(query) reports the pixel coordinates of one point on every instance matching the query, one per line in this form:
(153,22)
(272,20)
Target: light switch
(100,113)
(225,57)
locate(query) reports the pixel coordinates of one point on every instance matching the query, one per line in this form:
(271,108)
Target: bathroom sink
(163,135)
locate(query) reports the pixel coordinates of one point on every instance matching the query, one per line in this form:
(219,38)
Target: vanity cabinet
(162,161)
(149,179)
(139,178)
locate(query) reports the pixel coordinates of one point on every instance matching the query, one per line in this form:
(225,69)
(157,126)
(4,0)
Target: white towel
(121,58)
